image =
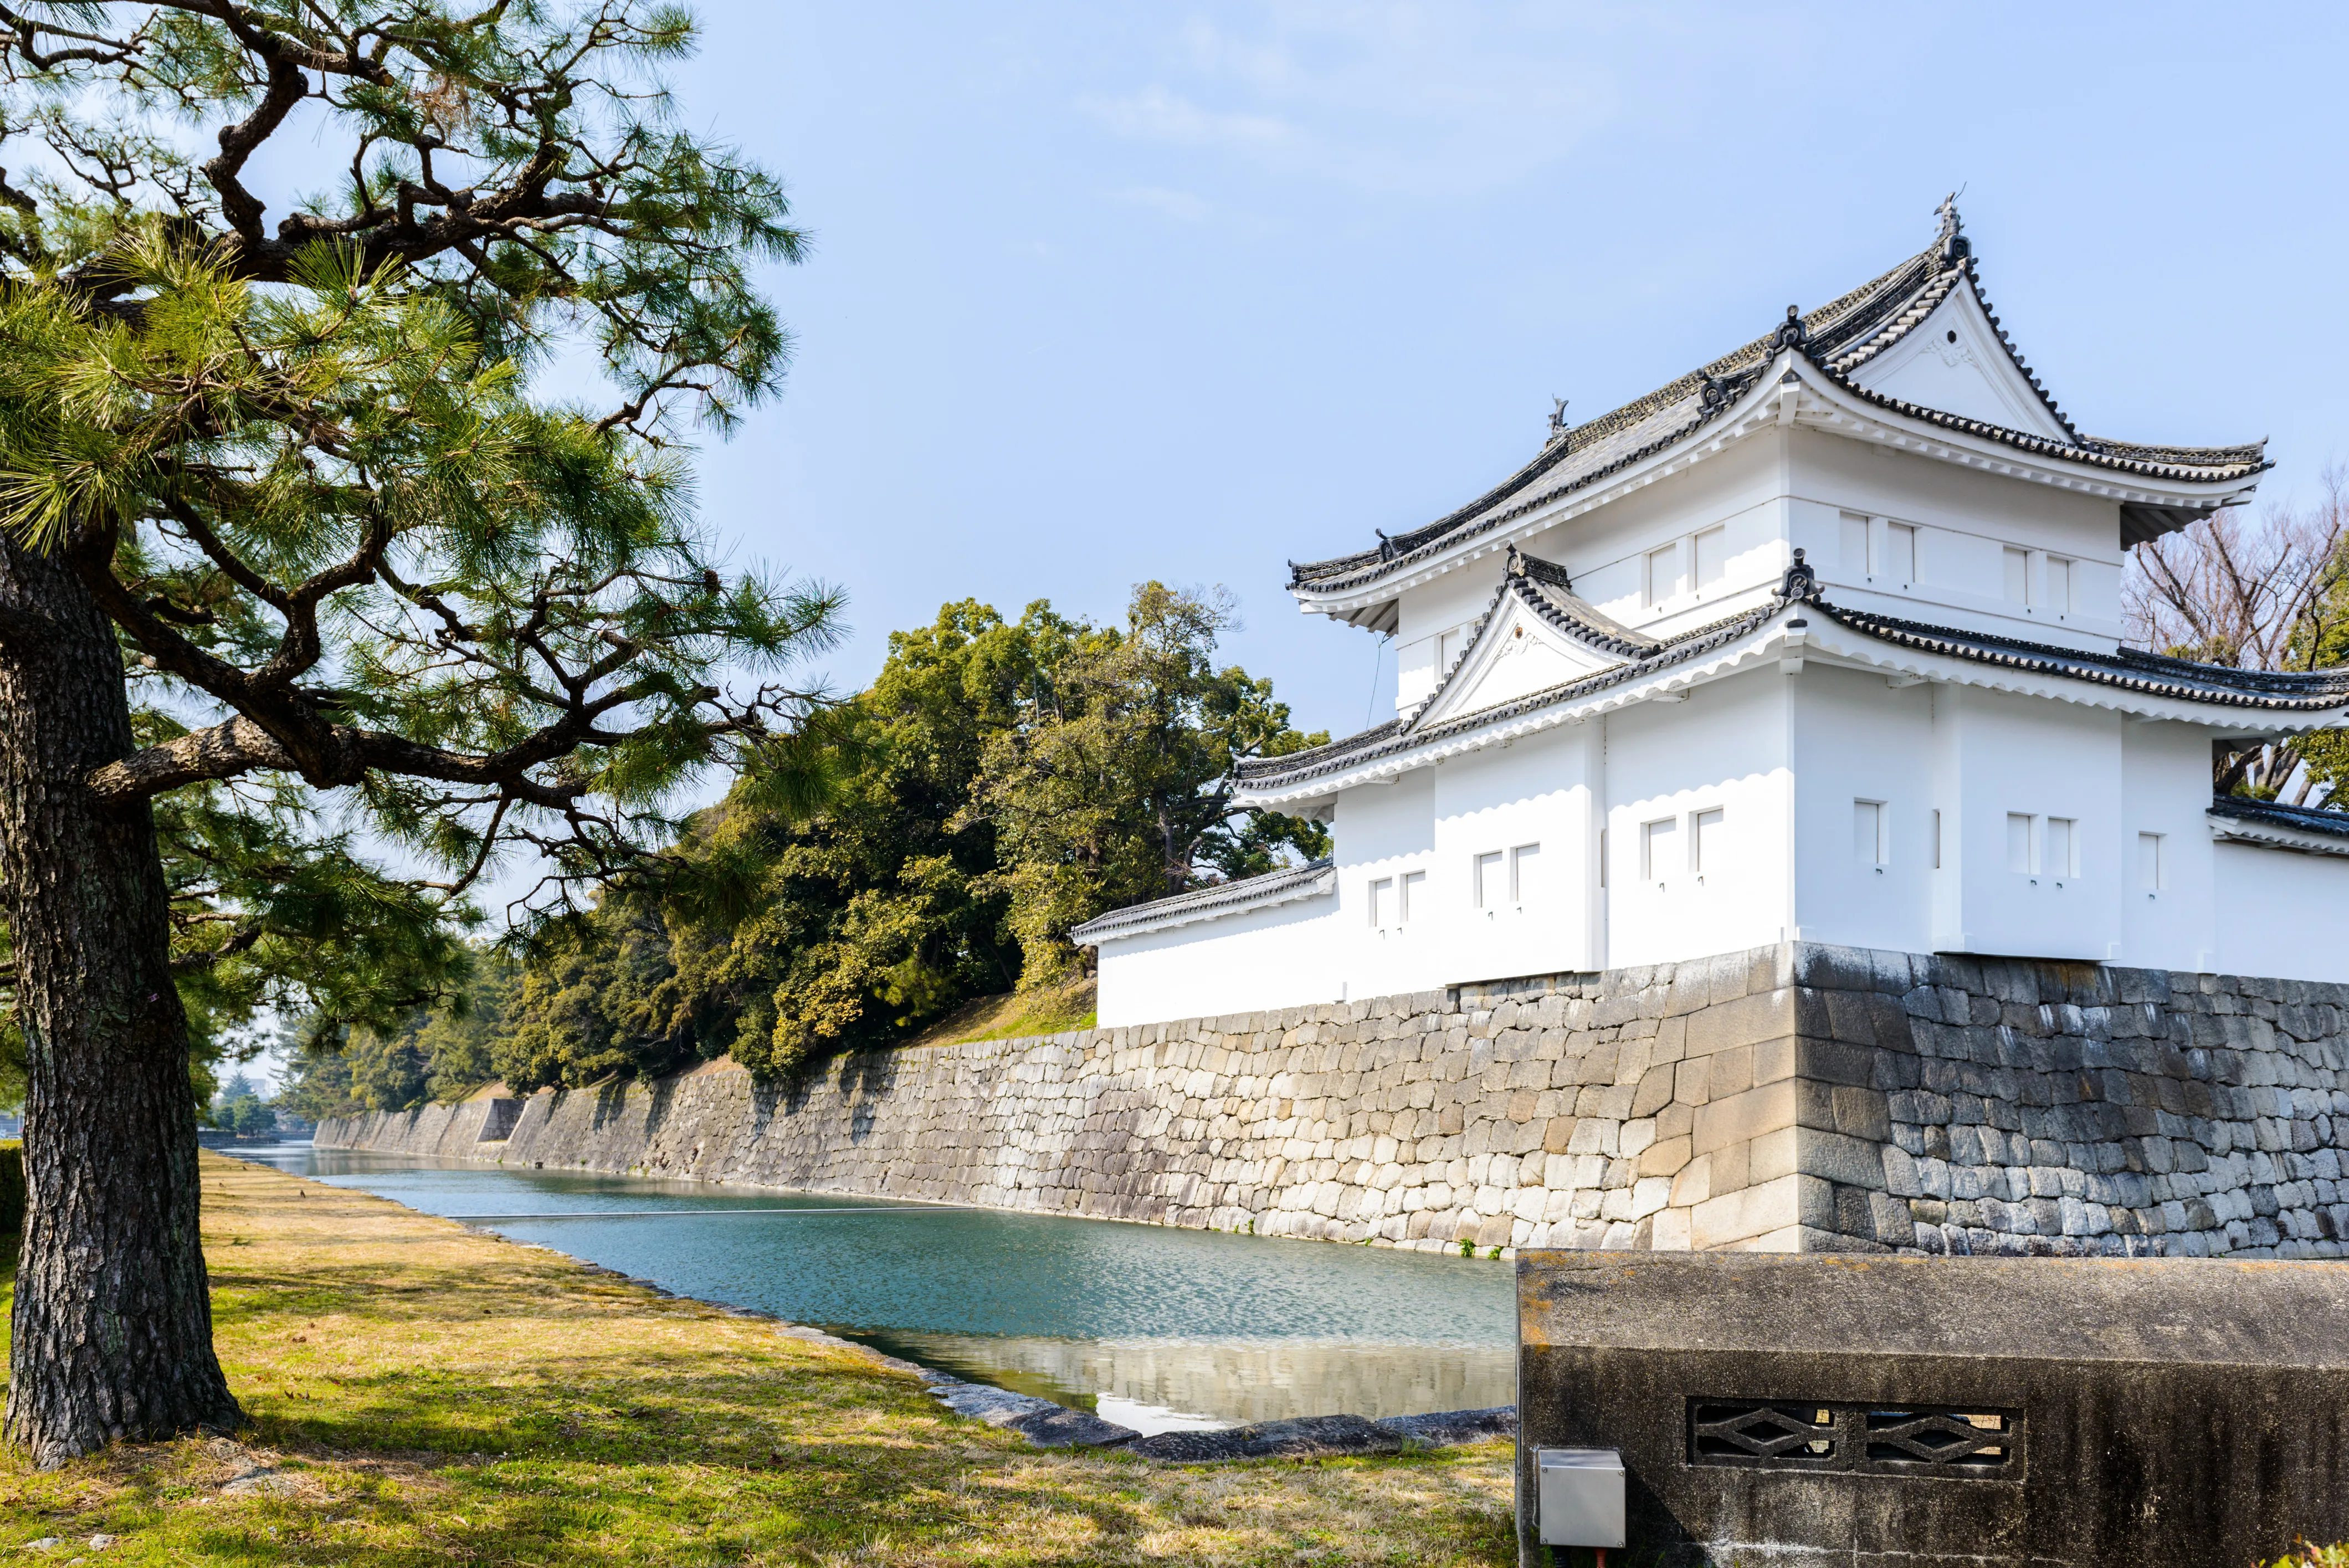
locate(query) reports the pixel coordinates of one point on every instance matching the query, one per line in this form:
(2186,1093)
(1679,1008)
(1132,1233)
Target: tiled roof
(2150,674)
(2304,818)
(1215,901)
(1837,338)
(1398,735)
(2153,674)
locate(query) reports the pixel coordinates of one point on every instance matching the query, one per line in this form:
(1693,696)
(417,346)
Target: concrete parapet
(1890,1412)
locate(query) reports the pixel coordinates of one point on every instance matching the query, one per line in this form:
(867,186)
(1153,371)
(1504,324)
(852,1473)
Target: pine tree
(289,552)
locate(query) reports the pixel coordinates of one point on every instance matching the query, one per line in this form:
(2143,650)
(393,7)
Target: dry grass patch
(1014,1015)
(424,1394)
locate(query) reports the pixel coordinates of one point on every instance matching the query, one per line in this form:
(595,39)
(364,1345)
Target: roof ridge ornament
(1791,332)
(1715,392)
(1800,582)
(1952,242)
(1558,425)
(1386,545)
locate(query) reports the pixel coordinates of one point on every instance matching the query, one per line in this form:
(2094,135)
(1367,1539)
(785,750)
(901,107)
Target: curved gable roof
(1838,338)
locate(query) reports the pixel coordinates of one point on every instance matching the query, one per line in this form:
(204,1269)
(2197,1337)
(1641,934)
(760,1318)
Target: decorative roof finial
(1800,582)
(1955,246)
(1557,417)
(1517,567)
(1791,332)
(1386,545)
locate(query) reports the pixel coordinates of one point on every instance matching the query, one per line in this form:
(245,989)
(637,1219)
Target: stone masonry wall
(1794,1097)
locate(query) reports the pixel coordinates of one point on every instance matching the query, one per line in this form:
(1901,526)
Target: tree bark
(112,1323)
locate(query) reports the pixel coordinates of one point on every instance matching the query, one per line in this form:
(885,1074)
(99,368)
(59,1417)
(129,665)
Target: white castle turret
(1821,642)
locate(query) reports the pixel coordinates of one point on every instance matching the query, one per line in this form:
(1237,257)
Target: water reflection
(1153,1327)
(1156,1379)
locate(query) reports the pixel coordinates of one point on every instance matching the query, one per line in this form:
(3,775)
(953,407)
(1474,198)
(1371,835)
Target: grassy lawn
(423,1394)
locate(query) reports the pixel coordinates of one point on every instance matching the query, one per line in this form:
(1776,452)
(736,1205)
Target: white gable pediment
(1952,360)
(1516,654)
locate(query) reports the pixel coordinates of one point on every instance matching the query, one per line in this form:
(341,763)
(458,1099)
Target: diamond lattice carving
(1765,1431)
(1938,1437)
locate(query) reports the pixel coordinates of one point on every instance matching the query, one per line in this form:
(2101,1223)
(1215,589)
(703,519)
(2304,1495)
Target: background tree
(1115,786)
(285,456)
(2268,591)
(239,1109)
(793,934)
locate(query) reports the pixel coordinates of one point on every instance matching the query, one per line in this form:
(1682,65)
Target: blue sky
(1107,292)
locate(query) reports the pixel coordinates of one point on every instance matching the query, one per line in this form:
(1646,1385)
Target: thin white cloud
(1407,99)
(1182,206)
(1161,114)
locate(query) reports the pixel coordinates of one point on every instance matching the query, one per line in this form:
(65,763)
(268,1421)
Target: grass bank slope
(422,1393)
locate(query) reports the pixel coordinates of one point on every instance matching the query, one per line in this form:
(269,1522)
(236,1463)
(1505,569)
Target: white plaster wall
(1606,551)
(2280,913)
(1857,739)
(1451,603)
(1387,832)
(1278,957)
(1538,792)
(1784,489)
(1965,521)
(1994,753)
(1725,748)
(2164,788)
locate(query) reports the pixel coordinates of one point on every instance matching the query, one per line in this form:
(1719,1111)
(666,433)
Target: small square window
(1711,557)
(2018,575)
(1523,867)
(2060,851)
(1656,847)
(2059,585)
(1900,554)
(2153,861)
(1705,841)
(1855,544)
(1489,889)
(1867,833)
(1413,899)
(1382,900)
(1664,573)
(2019,836)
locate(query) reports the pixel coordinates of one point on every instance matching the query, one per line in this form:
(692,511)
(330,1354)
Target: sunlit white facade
(1819,643)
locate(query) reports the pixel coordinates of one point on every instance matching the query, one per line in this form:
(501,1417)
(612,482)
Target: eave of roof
(2285,824)
(1837,338)
(1401,735)
(2151,674)
(1213,902)
(2146,675)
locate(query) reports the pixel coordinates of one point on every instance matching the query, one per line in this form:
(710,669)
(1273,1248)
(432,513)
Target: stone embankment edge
(1795,1097)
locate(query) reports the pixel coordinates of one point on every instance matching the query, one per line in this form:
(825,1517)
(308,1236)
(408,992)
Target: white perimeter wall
(2282,913)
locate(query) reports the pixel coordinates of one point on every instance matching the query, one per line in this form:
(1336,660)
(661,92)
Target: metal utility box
(1581,1496)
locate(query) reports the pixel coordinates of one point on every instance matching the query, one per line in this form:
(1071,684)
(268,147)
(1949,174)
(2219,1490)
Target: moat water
(1153,1327)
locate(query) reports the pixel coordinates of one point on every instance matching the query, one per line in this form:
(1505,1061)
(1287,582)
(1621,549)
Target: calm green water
(1151,1326)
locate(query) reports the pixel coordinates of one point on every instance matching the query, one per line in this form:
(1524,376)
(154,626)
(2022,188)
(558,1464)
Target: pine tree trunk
(112,1324)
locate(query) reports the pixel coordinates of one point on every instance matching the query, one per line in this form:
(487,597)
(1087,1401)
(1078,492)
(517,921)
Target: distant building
(1821,642)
